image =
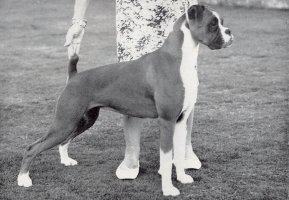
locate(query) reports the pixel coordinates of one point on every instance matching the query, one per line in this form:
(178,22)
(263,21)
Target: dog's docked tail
(72,65)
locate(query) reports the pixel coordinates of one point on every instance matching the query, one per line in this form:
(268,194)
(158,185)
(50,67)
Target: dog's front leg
(166,157)
(179,141)
(191,159)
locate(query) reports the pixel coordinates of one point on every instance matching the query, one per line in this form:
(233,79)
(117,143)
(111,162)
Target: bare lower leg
(132,130)
(129,167)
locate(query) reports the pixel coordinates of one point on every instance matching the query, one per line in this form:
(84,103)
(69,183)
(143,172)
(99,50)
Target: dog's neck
(180,42)
(190,47)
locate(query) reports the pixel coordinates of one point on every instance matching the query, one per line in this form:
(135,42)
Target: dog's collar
(187,24)
(186,11)
(187,14)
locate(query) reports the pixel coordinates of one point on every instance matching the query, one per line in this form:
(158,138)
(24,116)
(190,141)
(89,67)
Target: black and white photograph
(144,99)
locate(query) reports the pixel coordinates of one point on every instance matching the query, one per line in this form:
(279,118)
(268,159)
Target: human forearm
(80,8)
(76,31)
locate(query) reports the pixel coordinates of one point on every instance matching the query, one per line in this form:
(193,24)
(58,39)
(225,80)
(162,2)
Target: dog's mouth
(219,43)
(216,46)
(229,43)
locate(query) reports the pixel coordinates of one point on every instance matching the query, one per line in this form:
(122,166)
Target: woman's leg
(129,167)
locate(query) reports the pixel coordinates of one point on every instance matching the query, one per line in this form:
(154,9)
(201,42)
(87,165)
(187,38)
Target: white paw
(69,162)
(24,180)
(171,191)
(185,179)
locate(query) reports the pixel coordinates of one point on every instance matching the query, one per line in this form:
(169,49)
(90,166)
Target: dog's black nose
(228,31)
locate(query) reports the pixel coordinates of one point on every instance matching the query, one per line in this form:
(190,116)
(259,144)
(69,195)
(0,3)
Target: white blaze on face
(226,37)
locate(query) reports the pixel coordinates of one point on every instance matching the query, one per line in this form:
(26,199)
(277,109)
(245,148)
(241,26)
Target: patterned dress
(142,25)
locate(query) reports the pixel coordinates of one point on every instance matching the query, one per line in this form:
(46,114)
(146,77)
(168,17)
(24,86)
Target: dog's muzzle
(231,39)
(222,40)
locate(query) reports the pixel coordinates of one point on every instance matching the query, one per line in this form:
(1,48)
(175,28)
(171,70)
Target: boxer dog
(162,84)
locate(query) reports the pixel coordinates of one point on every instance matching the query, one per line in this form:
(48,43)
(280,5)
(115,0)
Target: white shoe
(193,162)
(123,172)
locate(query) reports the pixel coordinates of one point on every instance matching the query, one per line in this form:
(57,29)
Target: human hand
(74,37)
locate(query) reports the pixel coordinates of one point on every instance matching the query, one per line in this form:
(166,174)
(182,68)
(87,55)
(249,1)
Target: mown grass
(240,118)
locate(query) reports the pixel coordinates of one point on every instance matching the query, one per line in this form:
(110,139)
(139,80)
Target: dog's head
(207,27)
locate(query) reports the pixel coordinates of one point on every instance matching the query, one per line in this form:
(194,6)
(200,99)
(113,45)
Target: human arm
(76,31)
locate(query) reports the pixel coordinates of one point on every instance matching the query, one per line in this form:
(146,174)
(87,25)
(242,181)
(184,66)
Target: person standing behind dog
(142,26)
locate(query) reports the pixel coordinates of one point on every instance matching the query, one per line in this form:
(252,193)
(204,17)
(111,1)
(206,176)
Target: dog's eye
(214,22)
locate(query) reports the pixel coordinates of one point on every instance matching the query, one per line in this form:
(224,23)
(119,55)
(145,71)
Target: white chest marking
(188,71)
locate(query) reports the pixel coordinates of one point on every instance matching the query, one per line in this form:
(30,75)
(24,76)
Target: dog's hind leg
(85,123)
(55,136)
(65,123)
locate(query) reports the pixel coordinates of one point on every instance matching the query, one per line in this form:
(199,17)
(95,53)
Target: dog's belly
(141,108)
(139,113)
(127,103)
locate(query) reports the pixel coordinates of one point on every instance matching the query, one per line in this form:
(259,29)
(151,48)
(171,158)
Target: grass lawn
(240,129)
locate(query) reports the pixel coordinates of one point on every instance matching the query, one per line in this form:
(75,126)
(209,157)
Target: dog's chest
(188,70)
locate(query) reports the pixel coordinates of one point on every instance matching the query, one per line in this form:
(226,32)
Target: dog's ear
(195,12)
